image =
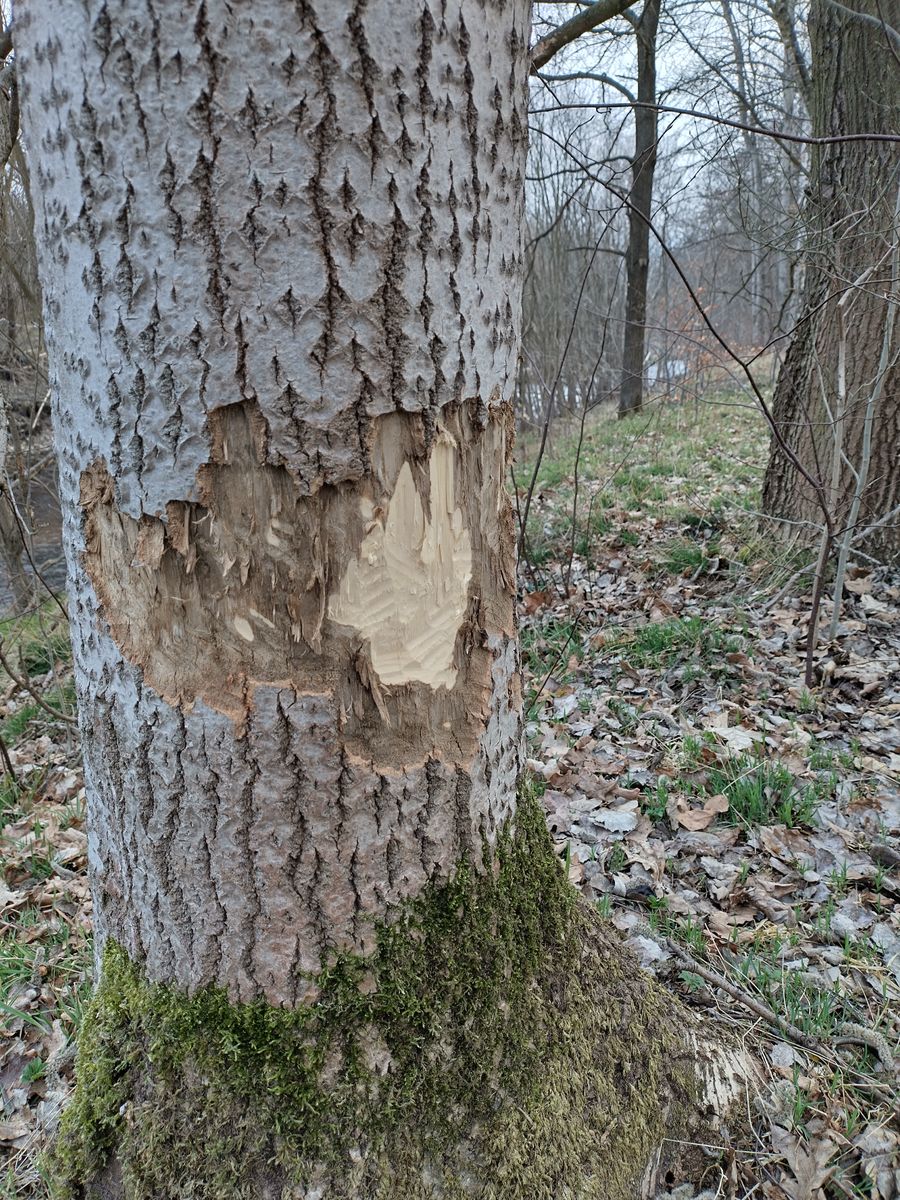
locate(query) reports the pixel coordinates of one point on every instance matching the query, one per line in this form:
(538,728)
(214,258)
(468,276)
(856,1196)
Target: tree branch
(29,687)
(777,136)
(783,17)
(583,22)
(592,75)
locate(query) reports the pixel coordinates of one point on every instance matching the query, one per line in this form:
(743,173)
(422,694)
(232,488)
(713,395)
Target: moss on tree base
(500,1043)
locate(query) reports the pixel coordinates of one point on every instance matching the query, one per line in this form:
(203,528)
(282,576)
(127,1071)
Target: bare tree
(28,502)
(643,166)
(574,251)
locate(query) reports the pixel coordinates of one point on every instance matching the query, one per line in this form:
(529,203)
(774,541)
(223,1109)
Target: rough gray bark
(280,252)
(851,231)
(637,255)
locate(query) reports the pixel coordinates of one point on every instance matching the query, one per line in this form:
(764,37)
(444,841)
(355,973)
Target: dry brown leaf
(879,1149)
(681,812)
(723,924)
(14,1130)
(809,1164)
(535,600)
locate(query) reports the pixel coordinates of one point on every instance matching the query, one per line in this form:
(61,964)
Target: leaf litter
(707,802)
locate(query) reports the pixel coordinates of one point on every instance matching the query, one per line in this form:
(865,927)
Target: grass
(654,464)
(663,643)
(32,718)
(681,556)
(813,1009)
(58,964)
(759,791)
(36,644)
(37,641)
(17,723)
(684,930)
(654,804)
(683,481)
(762,792)
(17,797)
(617,858)
(40,651)
(547,648)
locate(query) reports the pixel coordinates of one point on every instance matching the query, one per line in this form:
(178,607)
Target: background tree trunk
(852,227)
(637,255)
(281,262)
(11,544)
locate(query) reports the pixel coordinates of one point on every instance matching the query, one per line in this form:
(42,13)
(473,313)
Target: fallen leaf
(736,737)
(535,600)
(618,820)
(784,1055)
(808,1163)
(681,812)
(14,1131)
(879,1150)
(859,587)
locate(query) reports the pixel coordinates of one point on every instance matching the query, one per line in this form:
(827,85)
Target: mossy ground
(499,1043)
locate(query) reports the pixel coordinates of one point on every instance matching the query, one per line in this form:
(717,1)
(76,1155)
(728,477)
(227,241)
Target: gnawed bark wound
(382,594)
(407,591)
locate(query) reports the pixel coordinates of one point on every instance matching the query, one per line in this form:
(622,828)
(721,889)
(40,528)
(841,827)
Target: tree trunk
(637,255)
(280,254)
(11,544)
(284,326)
(842,370)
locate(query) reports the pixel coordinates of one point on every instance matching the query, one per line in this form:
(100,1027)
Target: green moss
(494,1040)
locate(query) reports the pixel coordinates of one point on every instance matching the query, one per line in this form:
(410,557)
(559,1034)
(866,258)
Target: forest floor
(740,829)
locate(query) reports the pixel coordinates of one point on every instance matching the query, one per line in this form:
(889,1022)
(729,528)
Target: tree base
(500,1043)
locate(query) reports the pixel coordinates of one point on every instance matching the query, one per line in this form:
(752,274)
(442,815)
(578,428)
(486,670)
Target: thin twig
(10,500)
(568,642)
(736,993)
(29,687)
(812,633)
(7,762)
(551,392)
(775,134)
